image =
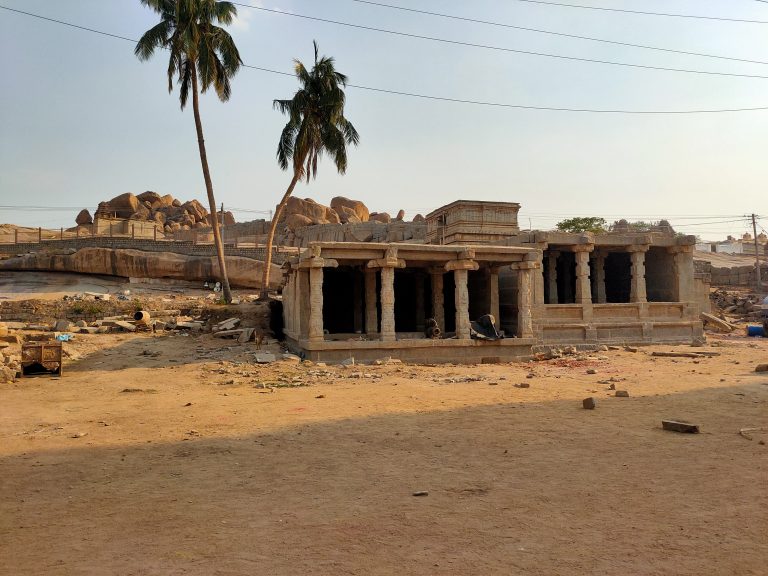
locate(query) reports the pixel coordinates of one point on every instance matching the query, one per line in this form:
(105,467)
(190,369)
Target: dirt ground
(169,455)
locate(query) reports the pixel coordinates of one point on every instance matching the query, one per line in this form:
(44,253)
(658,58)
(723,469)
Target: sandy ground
(54,285)
(201,470)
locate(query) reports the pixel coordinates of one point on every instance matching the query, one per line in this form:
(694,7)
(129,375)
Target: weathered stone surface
(317,213)
(296,221)
(359,209)
(589,403)
(400,215)
(84,218)
(244,272)
(196,210)
(419,218)
(149,196)
(228,218)
(382,217)
(124,205)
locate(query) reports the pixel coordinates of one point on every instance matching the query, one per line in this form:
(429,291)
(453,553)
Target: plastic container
(756,331)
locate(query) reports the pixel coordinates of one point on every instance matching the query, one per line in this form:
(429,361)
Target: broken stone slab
(761,368)
(675,426)
(62,326)
(228,324)
(622,394)
(15,325)
(246,335)
(715,322)
(264,357)
(589,403)
(127,326)
(228,333)
(193,325)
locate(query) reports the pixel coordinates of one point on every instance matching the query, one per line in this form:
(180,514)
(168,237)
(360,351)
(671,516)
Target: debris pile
(736,306)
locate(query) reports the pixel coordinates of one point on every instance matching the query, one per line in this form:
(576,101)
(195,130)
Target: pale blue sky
(82,120)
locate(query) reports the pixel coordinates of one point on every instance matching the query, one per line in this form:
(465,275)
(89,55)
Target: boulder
(317,213)
(176,203)
(400,215)
(149,196)
(347,215)
(141,213)
(419,218)
(196,209)
(358,208)
(124,205)
(158,217)
(166,200)
(296,221)
(84,218)
(382,217)
(229,218)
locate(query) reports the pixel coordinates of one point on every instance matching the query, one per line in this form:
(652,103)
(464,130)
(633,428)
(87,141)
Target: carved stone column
(315,263)
(637,291)
(371,312)
(583,288)
(438,299)
(524,298)
(388,332)
(552,274)
(461,268)
(493,294)
(387,265)
(462,304)
(598,267)
(684,273)
(316,304)
(419,297)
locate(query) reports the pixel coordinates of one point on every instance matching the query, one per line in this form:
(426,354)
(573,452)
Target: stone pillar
(371,313)
(538,285)
(598,267)
(419,296)
(388,332)
(524,298)
(357,297)
(637,291)
(438,300)
(493,294)
(684,273)
(462,303)
(316,304)
(583,287)
(552,273)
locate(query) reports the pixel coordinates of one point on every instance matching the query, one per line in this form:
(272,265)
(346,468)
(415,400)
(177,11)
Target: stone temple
(370,300)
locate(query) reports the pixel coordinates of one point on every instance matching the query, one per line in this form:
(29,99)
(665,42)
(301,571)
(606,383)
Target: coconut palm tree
(316,126)
(202,55)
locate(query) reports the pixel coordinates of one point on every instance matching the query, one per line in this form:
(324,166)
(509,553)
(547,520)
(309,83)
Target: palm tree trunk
(271,236)
(209,189)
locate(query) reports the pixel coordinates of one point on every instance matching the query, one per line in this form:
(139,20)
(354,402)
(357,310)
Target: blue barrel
(755,331)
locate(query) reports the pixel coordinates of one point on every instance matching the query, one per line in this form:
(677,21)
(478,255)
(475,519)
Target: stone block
(589,403)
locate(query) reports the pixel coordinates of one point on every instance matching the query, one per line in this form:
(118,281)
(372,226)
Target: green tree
(316,126)
(202,56)
(583,224)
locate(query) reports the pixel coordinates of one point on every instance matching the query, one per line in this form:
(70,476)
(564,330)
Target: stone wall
(148,245)
(736,276)
(371,231)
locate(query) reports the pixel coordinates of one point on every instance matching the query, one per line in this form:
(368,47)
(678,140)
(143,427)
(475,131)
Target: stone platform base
(421,351)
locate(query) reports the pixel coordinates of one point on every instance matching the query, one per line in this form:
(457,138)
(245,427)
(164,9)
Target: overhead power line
(670,15)
(433,97)
(554,33)
(500,48)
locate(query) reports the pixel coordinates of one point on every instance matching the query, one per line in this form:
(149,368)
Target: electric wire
(627,11)
(501,48)
(554,33)
(440,98)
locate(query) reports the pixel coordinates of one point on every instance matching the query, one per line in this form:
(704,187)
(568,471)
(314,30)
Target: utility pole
(757,257)
(222,214)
